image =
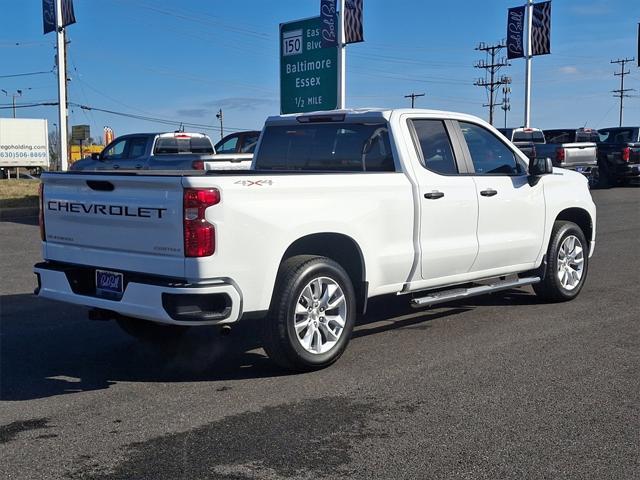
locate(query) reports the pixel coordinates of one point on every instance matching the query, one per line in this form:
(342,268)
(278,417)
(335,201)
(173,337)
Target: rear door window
(435,147)
(346,147)
(249,142)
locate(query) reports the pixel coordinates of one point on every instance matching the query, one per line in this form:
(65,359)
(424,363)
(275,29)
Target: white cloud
(569,70)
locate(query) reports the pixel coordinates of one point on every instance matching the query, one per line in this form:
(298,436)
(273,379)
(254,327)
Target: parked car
(340,206)
(619,155)
(235,151)
(525,139)
(151,151)
(572,148)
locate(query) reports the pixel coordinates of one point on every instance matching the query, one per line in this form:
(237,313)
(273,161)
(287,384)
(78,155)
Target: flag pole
(62,88)
(527,77)
(342,59)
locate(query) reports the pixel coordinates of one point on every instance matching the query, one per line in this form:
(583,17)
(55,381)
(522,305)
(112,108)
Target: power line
(492,66)
(25,74)
(621,92)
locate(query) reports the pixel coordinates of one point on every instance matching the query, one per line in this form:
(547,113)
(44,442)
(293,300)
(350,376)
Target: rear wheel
(150,332)
(312,314)
(567,263)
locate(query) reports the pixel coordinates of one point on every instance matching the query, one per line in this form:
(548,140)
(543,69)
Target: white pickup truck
(339,207)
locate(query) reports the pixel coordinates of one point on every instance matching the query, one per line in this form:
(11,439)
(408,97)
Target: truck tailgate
(579,153)
(125,222)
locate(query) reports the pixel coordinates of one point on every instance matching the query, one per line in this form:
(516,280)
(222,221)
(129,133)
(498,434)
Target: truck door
(511,213)
(448,203)
(135,154)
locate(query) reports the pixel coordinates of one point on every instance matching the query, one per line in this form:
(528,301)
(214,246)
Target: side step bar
(458,293)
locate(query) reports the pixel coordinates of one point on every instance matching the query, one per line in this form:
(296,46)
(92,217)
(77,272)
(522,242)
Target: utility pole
(17,93)
(621,93)
(62,87)
(413,96)
(506,105)
(219,116)
(492,67)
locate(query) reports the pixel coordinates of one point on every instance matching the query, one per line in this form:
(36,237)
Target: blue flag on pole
(49,15)
(515,33)
(329,19)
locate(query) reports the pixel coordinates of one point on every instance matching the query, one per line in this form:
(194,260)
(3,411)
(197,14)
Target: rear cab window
(183,144)
(535,136)
(336,147)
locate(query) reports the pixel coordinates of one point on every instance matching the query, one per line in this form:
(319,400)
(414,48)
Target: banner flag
(541,29)
(515,33)
(68,15)
(353,27)
(49,14)
(329,20)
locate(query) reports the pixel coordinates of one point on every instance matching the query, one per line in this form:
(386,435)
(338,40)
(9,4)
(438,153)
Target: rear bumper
(629,170)
(159,300)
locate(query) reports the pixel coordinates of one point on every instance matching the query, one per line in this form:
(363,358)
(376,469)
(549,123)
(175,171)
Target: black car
(619,155)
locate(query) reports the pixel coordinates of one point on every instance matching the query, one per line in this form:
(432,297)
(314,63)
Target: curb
(18,212)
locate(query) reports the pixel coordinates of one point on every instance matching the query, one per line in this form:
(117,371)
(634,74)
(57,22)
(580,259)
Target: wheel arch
(342,249)
(580,217)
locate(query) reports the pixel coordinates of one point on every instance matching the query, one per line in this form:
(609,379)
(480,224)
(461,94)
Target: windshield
(326,147)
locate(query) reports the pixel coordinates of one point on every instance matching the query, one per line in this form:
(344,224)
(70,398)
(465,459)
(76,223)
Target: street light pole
(18,93)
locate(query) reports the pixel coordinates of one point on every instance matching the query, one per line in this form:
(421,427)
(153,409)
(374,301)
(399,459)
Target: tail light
(197,165)
(626,154)
(199,235)
(560,155)
(43,235)
(533,152)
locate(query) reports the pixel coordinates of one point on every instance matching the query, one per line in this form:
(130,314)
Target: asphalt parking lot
(497,387)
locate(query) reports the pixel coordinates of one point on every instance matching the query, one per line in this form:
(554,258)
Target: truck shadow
(48,348)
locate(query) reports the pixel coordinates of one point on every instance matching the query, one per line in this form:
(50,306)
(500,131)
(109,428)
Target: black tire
(594,178)
(605,179)
(550,288)
(279,336)
(151,332)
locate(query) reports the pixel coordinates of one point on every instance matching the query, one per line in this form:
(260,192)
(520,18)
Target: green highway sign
(309,75)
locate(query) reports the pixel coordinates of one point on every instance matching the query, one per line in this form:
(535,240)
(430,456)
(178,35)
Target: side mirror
(95,156)
(540,166)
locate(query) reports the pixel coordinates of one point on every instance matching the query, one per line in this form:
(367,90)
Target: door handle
(116,166)
(489,192)
(139,166)
(434,195)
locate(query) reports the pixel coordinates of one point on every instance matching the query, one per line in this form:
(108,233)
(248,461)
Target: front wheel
(567,263)
(312,314)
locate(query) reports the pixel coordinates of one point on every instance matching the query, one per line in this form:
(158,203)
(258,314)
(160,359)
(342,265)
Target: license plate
(109,283)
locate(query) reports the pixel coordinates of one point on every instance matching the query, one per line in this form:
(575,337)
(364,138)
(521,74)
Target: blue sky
(155,58)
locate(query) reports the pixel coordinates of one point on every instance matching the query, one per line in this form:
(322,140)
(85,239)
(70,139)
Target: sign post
(309,74)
